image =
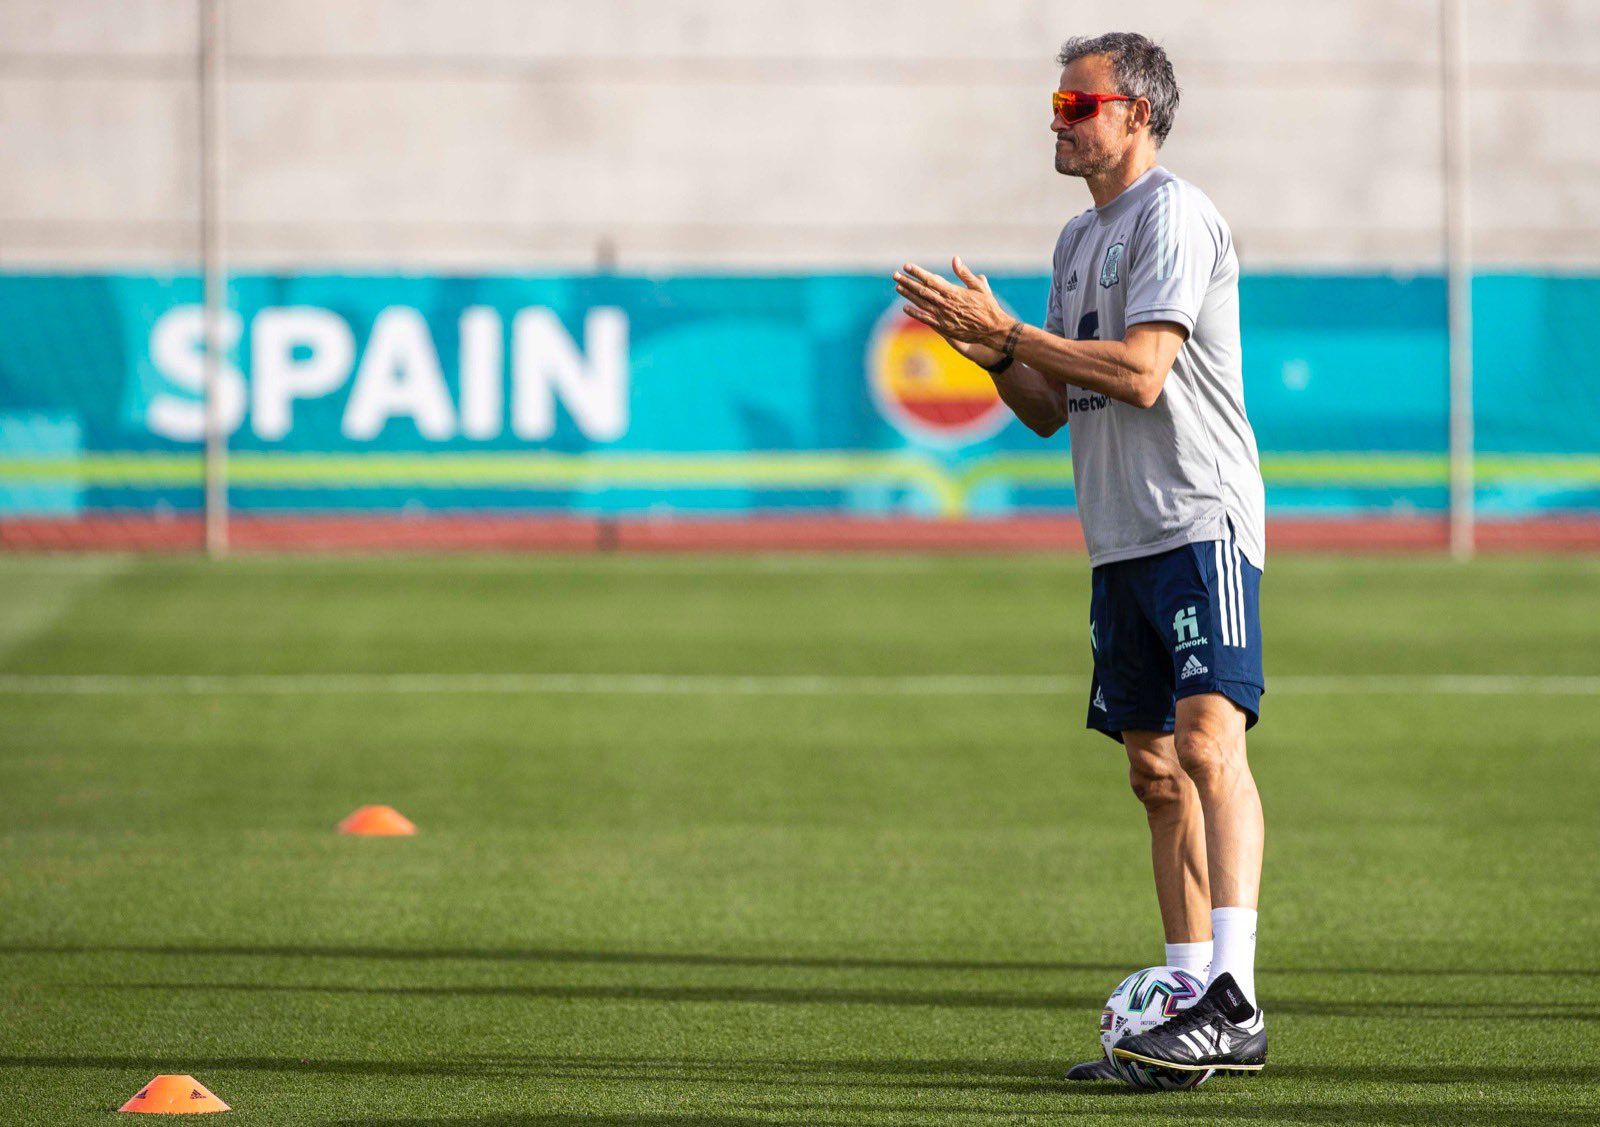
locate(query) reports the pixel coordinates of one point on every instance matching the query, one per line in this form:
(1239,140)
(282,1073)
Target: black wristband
(995,370)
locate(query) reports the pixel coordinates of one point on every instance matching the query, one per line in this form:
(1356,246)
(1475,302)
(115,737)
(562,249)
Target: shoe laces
(1191,1018)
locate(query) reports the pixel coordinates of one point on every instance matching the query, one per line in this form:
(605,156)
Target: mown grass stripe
(650,684)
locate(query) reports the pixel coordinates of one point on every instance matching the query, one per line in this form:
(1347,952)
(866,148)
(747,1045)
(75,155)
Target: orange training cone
(174,1095)
(377,821)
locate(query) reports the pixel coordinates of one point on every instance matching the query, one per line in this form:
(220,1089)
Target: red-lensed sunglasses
(1073,106)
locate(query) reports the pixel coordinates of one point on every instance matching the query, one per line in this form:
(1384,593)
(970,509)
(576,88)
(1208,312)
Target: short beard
(1081,164)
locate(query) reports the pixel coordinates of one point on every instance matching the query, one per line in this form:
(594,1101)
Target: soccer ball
(1143,1001)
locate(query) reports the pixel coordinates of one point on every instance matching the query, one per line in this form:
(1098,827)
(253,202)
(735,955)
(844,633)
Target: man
(1140,358)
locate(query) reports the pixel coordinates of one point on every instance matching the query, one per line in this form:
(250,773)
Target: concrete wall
(517,134)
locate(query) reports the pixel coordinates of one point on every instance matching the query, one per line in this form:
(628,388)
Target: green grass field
(851,860)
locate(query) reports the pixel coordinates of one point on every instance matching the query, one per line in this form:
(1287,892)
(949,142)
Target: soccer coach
(1140,358)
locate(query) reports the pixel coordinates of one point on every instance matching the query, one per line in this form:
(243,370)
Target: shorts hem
(1114,731)
(1242,693)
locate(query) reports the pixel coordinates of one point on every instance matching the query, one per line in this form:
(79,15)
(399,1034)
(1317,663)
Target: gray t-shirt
(1152,479)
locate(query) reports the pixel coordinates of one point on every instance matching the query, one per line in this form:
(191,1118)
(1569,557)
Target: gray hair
(1141,69)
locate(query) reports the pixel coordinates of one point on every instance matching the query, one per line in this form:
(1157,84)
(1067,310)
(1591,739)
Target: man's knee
(1158,782)
(1208,756)
(1209,741)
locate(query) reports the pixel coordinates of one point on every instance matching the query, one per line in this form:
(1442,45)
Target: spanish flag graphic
(927,389)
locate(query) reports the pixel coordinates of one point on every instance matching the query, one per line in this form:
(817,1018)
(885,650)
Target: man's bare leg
(1177,836)
(1225,1029)
(1210,745)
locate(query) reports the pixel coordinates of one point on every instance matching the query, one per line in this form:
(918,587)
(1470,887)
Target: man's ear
(1140,116)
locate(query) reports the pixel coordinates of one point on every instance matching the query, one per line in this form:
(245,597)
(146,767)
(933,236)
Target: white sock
(1233,930)
(1192,957)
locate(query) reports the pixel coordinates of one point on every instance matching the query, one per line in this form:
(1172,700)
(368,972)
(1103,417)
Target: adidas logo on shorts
(1192,668)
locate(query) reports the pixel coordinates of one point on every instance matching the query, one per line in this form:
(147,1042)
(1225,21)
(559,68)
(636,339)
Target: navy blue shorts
(1170,626)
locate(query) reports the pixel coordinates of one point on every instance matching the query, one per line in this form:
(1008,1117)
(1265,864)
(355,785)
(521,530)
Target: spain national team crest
(1111,268)
(925,388)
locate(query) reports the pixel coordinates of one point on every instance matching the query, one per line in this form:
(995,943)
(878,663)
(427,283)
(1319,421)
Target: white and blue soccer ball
(1144,1000)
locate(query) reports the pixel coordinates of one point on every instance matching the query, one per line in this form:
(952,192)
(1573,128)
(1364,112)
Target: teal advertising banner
(633,395)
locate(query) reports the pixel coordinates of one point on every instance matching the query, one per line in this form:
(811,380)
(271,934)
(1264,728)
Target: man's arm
(1131,371)
(1040,402)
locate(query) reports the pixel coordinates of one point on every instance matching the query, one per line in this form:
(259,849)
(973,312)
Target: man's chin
(1080,164)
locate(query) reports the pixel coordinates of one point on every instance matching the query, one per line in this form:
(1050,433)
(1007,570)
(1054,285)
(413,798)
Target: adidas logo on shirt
(1072,283)
(1192,668)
